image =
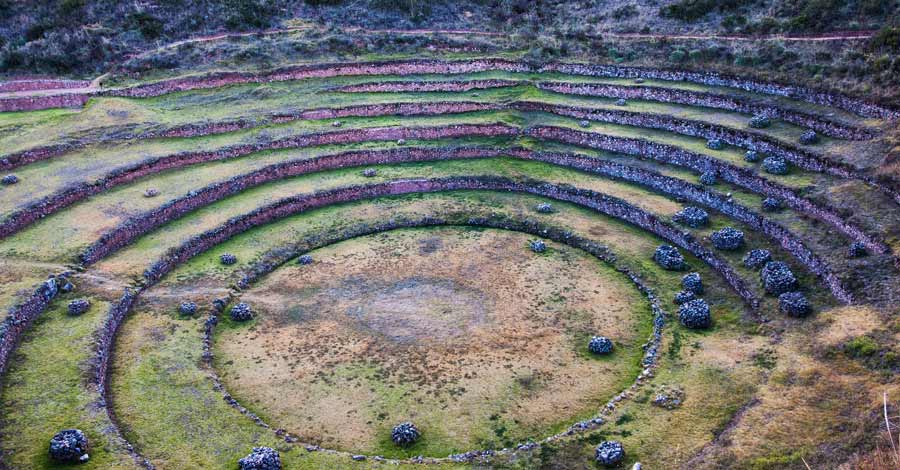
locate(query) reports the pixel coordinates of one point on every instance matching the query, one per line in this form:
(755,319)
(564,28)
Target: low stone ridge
(69,446)
(537,246)
(752,156)
(609,453)
(241,312)
(228,259)
(405,434)
(600,345)
(305,259)
(669,258)
(755,259)
(78,307)
(775,166)
(188,308)
(857,250)
(708,178)
(715,144)
(684,297)
(9,180)
(794,304)
(692,282)
(777,278)
(771,204)
(729,239)
(691,216)
(695,314)
(544,208)
(809,137)
(262,458)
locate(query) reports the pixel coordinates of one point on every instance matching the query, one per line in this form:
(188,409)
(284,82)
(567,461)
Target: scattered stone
(241,312)
(638,80)
(755,259)
(9,179)
(600,345)
(337,124)
(66,285)
(401,141)
(610,453)
(151,192)
(752,156)
(760,121)
(188,308)
(544,208)
(695,314)
(262,458)
(708,178)
(684,297)
(70,446)
(358,458)
(775,166)
(857,250)
(405,434)
(369,172)
(537,246)
(78,307)
(691,216)
(809,137)
(794,304)
(584,123)
(637,466)
(669,258)
(669,398)
(305,259)
(729,238)
(715,144)
(621,102)
(777,278)
(220,304)
(771,204)
(692,282)
(228,259)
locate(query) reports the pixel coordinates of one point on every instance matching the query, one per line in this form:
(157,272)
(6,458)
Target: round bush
(694,314)
(715,144)
(760,121)
(794,304)
(584,123)
(752,156)
(600,345)
(708,178)
(69,446)
(669,258)
(684,296)
(857,250)
(621,102)
(771,204)
(228,259)
(691,216)
(9,179)
(369,172)
(544,208)
(188,308)
(755,259)
(305,259)
(809,137)
(775,166)
(262,458)
(729,238)
(777,278)
(537,246)
(609,453)
(405,434)
(241,312)
(78,307)
(692,282)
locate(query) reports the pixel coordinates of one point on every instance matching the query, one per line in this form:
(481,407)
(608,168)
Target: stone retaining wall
(14,86)
(427,86)
(20,317)
(701,163)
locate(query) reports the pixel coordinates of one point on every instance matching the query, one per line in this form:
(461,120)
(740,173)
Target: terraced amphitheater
(446,260)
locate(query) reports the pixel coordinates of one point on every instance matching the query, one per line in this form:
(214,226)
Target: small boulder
(544,208)
(78,307)
(584,123)
(695,314)
(151,192)
(305,259)
(691,216)
(228,259)
(669,258)
(692,282)
(684,297)
(537,246)
(69,446)
(715,144)
(777,278)
(775,166)
(369,172)
(771,204)
(337,124)
(794,304)
(241,312)
(621,102)
(809,137)
(609,453)
(401,141)
(760,121)
(600,345)
(755,259)
(729,239)
(262,458)
(9,180)
(857,250)
(188,308)
(752,156)
(405,434)
(708,178)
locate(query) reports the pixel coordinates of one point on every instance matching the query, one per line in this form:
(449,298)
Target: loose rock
(684,296)
(78,307)
(405,434)
(755,259)
(600,345)
(584,123)
(752,156)
(369,172)
(305,259)
(809,137)
(544,208)
(228,259)
(262,458)
(770,204)
(241,312)
(151,192)
(609,453)
(621,102)
(70,446)
(9,180)
(537,246)
(669,398)
(188,308)
(715,144)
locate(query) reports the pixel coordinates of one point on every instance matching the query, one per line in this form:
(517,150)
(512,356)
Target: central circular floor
(468,333)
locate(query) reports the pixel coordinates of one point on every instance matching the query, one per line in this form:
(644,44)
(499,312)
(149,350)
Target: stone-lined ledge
(426,86)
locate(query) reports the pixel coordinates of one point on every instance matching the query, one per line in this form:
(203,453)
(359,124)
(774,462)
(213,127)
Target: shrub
(609,453)
(775,166)
(729,238)
(777,278)
(695,314)
(691,216)
(861,346)
(600,345)
(405,434)
(691,282)
(669,258)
